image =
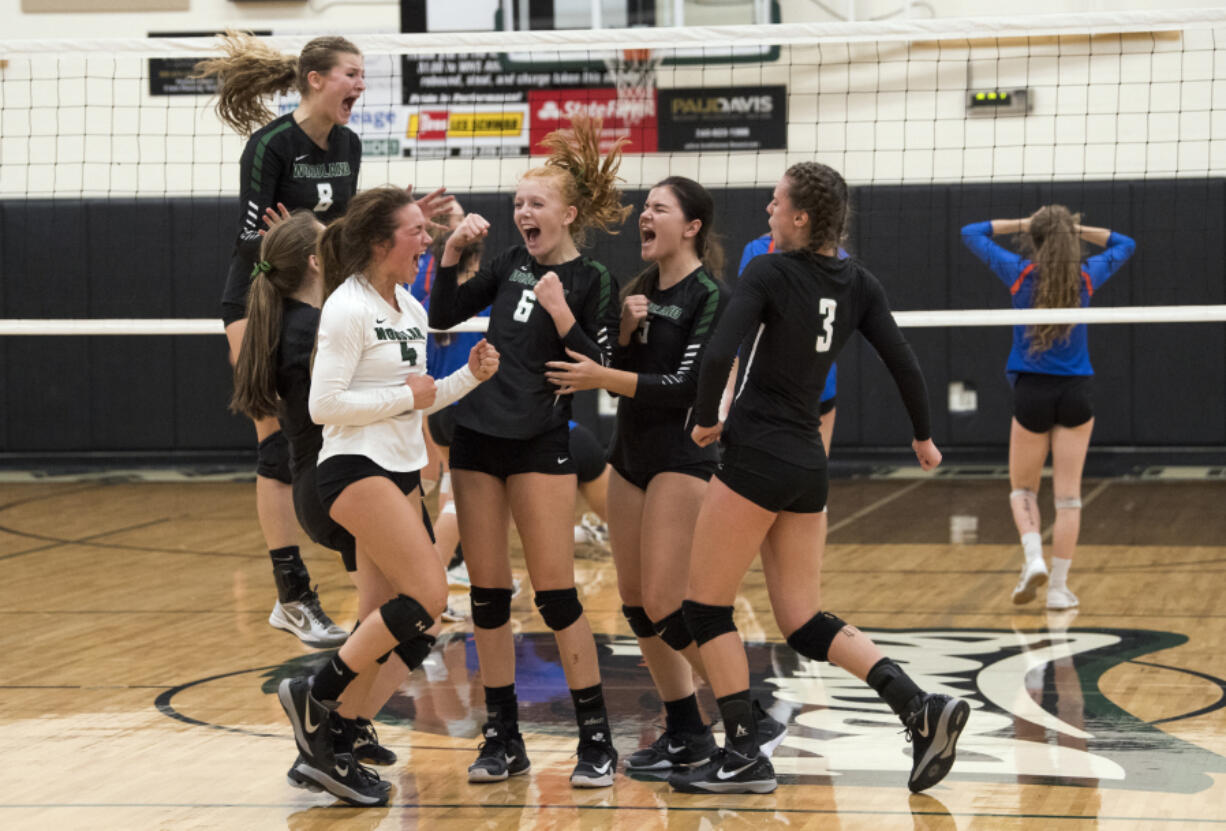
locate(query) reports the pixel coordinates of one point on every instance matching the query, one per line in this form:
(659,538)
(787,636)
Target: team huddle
(330,350)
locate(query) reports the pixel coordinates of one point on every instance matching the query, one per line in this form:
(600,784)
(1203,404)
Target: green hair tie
(262,265)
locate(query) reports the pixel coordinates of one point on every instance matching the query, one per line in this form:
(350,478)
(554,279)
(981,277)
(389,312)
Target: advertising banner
(723,118)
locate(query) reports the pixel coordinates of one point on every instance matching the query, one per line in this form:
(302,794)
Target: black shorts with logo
(773,483)
(1040,402)
(547,453)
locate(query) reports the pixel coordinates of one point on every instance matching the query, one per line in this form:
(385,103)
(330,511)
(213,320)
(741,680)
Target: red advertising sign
(634,118)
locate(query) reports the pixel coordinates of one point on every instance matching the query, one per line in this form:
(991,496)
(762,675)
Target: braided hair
(821,192)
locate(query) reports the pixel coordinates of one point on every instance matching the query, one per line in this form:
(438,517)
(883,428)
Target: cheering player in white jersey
(510,454)
(804,304)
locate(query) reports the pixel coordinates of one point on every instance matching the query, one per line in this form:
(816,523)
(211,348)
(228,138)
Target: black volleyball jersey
(795,311)
(666,352)
(282,164)
(299,324)
(518,402)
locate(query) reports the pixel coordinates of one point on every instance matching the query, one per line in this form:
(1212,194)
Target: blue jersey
(444,353)
(765,245)
(1066,356)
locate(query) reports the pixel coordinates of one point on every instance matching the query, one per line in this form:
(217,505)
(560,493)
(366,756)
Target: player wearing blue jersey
(1049,367)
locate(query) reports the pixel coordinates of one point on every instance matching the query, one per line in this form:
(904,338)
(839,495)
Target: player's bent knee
(813,639)
(491,607)
(272,458)
(559,607)
(405,618)
(707,622)
(673,630)
(640,624)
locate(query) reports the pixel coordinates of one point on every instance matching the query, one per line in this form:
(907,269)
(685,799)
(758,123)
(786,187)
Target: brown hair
(583,178)
(696,203)
(251,70)
(1054,246)
(821,192)
(348,243)
(284,260)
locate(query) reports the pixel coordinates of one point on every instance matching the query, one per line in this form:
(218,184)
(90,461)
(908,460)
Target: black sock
(289,572)
(590,713)
(895,687)
(740,725)
(502,706)
(682,715)
(331,680)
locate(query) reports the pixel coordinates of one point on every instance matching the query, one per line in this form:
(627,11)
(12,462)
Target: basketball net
(634,76)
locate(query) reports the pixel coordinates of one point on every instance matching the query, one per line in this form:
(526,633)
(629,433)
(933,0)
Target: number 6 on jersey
(826,308)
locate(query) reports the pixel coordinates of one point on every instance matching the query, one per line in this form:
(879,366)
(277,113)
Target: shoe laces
(310,602)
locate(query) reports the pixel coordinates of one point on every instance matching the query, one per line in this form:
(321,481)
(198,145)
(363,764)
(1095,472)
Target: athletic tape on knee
(491,607)
(405,618)
(640,624)
(1023,493)
(673,630)
(707,622)
(415,651)
(559,607)
(814,638)
(1068,502)
(272,459)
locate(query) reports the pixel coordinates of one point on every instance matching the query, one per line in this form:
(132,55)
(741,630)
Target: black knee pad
(673,630)
(707,622)
(405,618)
(272,458)
(814,638)
(559,607)
(415,651)
(491,607)
(640,624)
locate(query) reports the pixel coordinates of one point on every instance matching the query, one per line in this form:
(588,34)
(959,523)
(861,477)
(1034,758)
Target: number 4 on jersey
(826,308)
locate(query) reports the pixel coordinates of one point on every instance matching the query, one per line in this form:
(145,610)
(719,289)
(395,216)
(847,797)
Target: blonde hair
(583,178)
(251,70)
(1055,249)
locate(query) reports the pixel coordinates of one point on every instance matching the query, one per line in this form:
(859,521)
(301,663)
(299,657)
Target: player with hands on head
(798,307)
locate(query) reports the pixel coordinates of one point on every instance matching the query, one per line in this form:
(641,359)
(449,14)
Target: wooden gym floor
(138,673)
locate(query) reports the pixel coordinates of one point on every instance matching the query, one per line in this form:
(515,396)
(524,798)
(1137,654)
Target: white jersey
(366,351)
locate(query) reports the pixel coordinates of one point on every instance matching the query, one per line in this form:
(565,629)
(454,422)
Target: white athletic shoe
(304,619)
(1034,574)
(457,575)
(591,531)
(1061,599)
(452,615)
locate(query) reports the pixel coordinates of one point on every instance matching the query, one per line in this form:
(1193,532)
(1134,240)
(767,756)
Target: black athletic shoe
(311,720)
(726,772)
(674,750)
(771,732)
(298,779)
(346,779)
(502,754)
(366,747)
(933,731)
(596,766)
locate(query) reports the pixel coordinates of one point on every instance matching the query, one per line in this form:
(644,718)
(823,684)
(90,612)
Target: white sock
(1059,572)
(1032,546)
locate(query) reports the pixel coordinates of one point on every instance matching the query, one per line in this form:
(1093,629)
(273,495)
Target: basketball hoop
(634,76)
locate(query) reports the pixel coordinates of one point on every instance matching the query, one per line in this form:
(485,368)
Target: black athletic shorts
(642,478)
(825,406)
(441,425)
(547,453)
(772,483)
(335,474)
(314,519)
(234,295)
(587,452)
(1042,401)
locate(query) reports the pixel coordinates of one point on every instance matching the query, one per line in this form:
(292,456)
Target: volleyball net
(118,184)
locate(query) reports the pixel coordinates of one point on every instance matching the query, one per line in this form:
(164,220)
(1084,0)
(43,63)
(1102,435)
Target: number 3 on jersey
(524,307)
(825,308)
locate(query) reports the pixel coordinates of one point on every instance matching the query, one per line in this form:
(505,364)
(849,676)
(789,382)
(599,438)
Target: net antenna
(633,72)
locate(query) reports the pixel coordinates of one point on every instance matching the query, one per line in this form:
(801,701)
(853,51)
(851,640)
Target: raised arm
(451,303)
(978,238)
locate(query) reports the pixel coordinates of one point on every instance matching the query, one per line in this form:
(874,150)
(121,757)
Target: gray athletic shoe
(307,621)
(933,731)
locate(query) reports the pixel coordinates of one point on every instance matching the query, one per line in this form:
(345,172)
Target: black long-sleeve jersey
(282,164)
(299,324)
(518,402)
(804,308)
(666,352)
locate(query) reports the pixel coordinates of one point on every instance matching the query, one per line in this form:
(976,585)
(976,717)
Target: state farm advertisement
(634,118)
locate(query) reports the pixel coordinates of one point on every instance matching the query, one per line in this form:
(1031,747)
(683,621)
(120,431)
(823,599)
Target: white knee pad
(1068,503)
